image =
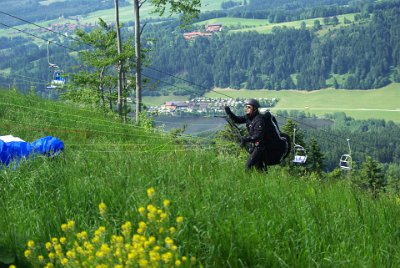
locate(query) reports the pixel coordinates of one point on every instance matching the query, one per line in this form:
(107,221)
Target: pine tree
(316,157)
(373,177)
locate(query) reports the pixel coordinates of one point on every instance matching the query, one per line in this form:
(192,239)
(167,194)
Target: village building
(213,28)
(194,35)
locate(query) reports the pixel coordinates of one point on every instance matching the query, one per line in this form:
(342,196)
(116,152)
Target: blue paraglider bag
(49,146)
(13,149)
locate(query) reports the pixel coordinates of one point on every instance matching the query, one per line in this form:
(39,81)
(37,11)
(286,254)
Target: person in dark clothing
(255,127)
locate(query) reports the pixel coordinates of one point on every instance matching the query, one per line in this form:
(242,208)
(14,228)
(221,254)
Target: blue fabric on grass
(13,149)
(49,146)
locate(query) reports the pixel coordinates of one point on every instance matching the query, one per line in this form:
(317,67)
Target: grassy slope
(233,218)
(360,104)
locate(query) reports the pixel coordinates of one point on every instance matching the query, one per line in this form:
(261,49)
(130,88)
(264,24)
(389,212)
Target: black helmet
(254,103)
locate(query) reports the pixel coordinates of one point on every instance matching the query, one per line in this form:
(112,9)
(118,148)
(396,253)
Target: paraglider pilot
(256,137)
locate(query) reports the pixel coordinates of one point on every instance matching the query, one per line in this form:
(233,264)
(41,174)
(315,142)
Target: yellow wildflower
(163,216)
(179,219)
(172,230)
(151,216)
(40,258)
(48,245)
(136,238)
(169,241)
(152,240)
(166,257)
(166,203)
(154,256)
(184,258)
(64,227)
(150,192)
(64,261)
(30,244)
(142,211)
(52,256)
(178,263)
(131,256)
(71,224)
(126,228)
(100,254)
(12,266)
(82,235)
(49,265)
(143,263)
(151,208)
(27,253)
(102,208)
(105,248)
(63,240)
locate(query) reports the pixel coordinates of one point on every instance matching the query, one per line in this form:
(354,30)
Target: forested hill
(363,55)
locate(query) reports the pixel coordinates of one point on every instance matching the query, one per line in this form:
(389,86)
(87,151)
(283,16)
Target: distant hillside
(359,54)
(39,10)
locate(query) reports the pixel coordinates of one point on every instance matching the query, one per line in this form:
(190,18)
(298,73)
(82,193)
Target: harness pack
(277,143)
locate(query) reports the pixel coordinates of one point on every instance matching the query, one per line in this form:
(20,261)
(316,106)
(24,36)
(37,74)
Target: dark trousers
(257,159)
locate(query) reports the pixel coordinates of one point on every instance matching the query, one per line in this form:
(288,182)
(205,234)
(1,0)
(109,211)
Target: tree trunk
(101,88)
(119,65)
(138,61)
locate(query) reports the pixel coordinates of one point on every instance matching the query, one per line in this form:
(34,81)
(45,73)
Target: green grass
(232,217)
(361,104)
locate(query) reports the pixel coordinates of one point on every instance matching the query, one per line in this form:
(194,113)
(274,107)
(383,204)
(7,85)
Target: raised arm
(235,118)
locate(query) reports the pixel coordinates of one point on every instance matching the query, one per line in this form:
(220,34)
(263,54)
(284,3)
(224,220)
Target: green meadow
(231,218)
(268,27)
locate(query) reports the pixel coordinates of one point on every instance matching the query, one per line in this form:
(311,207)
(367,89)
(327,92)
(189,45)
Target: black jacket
(255,127)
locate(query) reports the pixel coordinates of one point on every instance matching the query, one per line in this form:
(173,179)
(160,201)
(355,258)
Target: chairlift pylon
(346,162)
(57,79)
(300,154)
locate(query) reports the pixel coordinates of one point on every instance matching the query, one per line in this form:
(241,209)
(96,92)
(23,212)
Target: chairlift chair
(346,162)
(57,79)
(300,154)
